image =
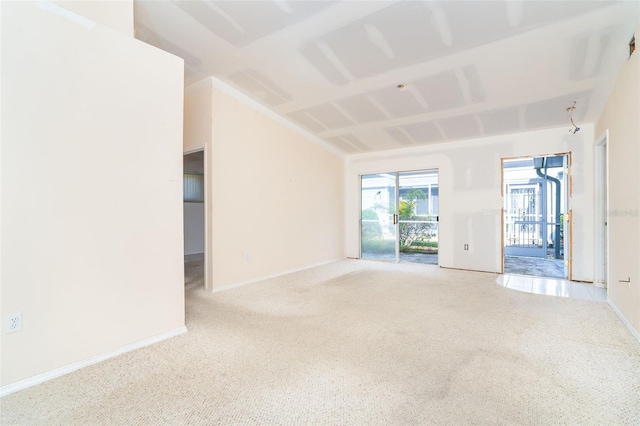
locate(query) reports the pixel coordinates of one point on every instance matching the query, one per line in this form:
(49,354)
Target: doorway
(399,216)
(194,219)
(536,216)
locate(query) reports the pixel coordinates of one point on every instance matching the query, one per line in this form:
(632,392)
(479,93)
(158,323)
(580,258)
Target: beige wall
(115,14)
(197,116)
(276,197)
(91,230)
(622,117)
(470,199)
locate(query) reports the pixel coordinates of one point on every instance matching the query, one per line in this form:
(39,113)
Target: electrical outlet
(246,256)
(466,246)
(14,323)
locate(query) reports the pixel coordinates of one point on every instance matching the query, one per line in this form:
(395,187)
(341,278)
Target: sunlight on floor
(553,287)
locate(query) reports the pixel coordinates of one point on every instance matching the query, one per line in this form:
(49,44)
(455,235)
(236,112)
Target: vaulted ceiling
(466,69)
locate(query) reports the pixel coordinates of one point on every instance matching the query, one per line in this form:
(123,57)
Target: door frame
(208,285)
(601,207)
(568,234)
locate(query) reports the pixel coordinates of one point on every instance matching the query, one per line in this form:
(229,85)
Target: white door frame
(568,237)
(601,194)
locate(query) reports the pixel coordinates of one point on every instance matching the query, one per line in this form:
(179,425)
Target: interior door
(378,218)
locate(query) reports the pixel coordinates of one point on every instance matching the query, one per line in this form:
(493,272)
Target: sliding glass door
(418,216)
(399,219)
(378,230)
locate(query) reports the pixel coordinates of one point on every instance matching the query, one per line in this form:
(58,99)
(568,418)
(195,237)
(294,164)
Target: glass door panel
(378,230)
(418,216)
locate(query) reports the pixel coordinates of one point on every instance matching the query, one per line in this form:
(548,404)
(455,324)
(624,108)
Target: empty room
(319,212)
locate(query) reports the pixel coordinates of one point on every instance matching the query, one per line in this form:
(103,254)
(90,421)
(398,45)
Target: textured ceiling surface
(468,68)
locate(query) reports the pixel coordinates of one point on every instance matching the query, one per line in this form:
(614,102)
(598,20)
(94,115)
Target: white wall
(193,228)
(622,117)
(470,199)
(91,230)
(277,198)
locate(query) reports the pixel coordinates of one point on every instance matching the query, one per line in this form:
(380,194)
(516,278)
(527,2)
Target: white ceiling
(470,68)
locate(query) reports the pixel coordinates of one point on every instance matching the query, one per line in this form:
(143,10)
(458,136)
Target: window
(193,188)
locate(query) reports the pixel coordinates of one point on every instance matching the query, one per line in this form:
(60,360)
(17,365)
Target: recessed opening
(632,45)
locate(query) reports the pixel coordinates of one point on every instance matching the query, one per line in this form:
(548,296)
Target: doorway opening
(536,216)
(194,219)
(399,216)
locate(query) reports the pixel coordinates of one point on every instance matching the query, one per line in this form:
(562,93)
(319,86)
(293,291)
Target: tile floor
(553,287)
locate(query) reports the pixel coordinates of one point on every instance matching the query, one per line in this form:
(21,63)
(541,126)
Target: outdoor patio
(536,266)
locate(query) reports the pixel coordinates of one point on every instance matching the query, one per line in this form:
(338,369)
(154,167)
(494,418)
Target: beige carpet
(359,342)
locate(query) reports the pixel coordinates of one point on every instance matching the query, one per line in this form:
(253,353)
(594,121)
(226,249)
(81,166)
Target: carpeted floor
(359,342)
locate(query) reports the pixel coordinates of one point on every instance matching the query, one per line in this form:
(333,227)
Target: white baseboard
(624,320)
(268,277)
(41,378)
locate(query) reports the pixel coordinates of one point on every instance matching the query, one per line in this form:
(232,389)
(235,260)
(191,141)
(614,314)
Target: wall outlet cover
(13,323)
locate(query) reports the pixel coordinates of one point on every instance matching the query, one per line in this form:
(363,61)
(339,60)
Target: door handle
(395,219)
